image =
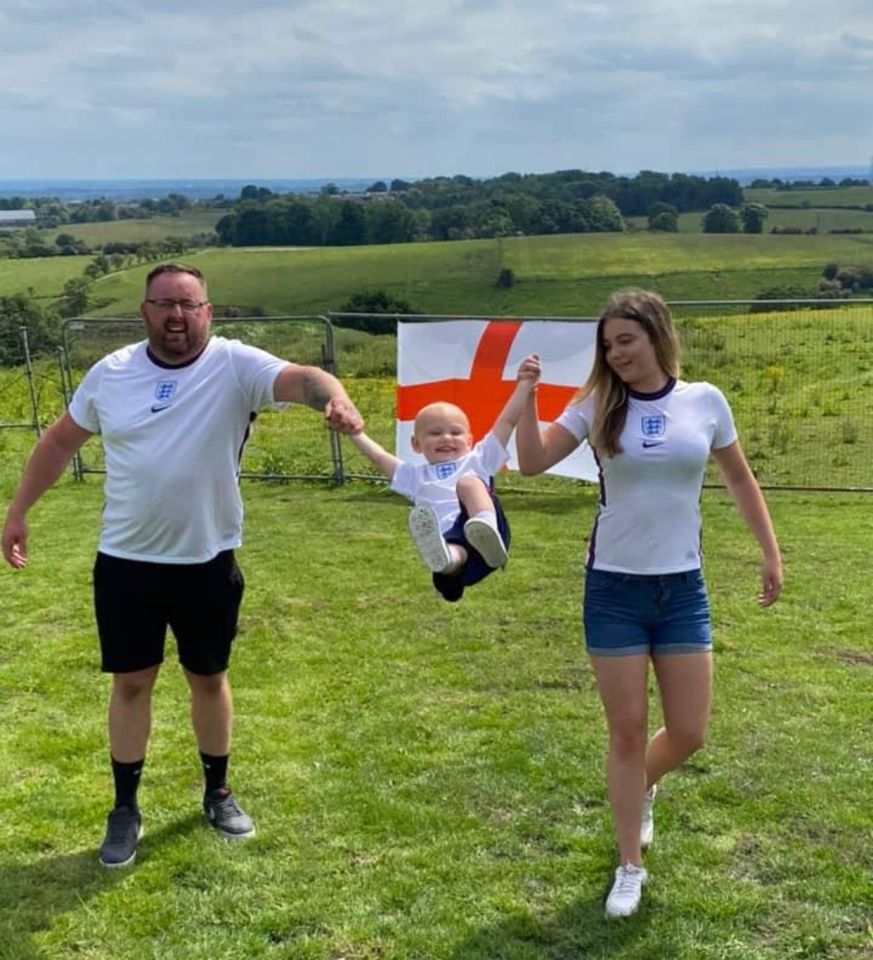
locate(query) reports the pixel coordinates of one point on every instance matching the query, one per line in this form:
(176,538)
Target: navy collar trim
(657,395)
(172,366)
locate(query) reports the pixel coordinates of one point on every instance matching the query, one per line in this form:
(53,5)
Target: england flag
(473,364)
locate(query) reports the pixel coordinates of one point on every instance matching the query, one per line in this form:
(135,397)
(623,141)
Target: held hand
(771,582)
(342,415)
(15,543)
(530,370)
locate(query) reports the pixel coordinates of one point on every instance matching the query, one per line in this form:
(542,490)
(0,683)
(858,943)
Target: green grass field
(841,197)
(187,224)
(427,780)
(41,278)
(567,275)
(823,220)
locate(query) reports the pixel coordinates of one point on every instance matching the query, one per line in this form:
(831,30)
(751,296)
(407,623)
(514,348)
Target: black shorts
(475,569)
(136,601)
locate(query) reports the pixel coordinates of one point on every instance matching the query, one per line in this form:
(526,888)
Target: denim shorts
(627,614)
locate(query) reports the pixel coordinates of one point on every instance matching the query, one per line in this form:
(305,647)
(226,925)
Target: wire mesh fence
(799,378)
(798,375)
(284,445)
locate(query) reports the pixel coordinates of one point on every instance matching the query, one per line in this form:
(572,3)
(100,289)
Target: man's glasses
(186,306)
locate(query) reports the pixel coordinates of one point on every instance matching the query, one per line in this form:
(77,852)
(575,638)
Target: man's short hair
(175,268)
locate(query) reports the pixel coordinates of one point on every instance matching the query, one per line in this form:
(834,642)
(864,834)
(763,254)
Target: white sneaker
(424,528)
(624,897)
(486,540)
(647,827)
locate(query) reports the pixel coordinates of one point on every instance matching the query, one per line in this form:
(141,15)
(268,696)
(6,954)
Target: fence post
(34,406)
(328,361)
(67,393)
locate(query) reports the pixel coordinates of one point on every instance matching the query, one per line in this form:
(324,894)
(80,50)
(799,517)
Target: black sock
(126,777)
(214,770)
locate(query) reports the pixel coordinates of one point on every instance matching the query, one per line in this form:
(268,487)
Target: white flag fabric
(473,364)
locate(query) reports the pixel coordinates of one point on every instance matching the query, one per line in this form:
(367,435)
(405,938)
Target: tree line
(825,183)
(461,207)
(50,212)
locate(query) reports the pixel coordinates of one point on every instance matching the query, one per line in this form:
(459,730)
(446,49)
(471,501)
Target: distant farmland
(558,275)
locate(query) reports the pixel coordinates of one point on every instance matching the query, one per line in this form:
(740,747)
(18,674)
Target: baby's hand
(529,369)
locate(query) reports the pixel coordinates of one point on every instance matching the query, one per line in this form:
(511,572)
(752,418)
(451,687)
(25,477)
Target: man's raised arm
(316,388)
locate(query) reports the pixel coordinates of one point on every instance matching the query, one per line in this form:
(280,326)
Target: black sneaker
(226,816)
(123,830)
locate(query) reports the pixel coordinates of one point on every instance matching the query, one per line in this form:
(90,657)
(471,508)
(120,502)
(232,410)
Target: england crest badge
(654,426)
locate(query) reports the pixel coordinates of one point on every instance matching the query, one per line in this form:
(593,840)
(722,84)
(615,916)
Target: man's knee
(207,685)
(133,686)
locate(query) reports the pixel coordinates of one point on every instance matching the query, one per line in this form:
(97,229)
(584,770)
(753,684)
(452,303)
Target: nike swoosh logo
(158,407)
(646,443)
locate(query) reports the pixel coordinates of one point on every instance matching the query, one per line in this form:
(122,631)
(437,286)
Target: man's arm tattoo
(315,392)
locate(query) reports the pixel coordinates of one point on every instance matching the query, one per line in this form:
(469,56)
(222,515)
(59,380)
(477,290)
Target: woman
(652,435)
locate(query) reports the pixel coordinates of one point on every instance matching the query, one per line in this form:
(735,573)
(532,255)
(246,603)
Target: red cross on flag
(473,364)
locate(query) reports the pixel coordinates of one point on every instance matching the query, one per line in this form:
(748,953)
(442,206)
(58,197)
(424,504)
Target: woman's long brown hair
(609,391)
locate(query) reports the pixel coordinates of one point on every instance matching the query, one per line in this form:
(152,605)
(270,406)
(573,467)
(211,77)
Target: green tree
(451,222)
(42,334)
(251,192)
(390,222)
(76,297)
(370,302)
(753,216)
(497,223)
(663,217)
(720,218)
(505,278)
(350,228)
(105,212)
(602,215)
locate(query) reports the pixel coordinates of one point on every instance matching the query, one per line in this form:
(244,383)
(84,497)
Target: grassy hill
(561,275)
(824,197)
(823,219)
(194,221)
(840,208)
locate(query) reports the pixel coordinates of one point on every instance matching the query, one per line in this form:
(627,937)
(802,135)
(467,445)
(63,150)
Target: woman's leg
(685,685)
(621,681)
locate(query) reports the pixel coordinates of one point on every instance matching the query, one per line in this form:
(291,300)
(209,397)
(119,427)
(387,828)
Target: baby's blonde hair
(439,407)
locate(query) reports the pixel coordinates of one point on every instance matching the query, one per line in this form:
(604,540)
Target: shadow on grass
(521,501)
(32,895)
(579,930)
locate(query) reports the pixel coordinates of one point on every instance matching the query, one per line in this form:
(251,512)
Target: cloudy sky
(384,88)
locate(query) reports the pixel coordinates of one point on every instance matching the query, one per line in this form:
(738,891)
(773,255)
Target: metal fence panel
(798,375)
(290,444)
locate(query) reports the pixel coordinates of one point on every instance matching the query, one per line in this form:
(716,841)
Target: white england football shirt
(433,484)
(648,520)
(173,438)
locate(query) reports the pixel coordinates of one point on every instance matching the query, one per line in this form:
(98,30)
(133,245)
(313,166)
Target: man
(173,412)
